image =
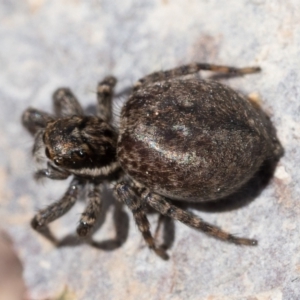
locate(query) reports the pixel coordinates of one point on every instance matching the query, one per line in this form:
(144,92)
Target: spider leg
(51,172)
(126,194)
(191,69)
(92,211)
(59,208)
(66,104)
(104,96)
(34,119)
(38,150)
(160,204)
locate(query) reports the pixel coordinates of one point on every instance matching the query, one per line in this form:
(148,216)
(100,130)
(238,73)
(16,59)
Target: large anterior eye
(58,161)
(82,154)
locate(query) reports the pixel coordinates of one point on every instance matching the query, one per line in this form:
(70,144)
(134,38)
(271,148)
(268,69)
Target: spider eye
(58,161)
(47,153)
(81,153)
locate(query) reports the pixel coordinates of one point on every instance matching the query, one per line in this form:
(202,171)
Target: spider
(179,138)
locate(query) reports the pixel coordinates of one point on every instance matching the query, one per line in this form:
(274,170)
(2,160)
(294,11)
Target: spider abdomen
(192,139)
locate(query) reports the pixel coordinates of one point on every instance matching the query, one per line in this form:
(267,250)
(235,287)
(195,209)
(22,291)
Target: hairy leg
(38,150)
(92,211)
(105,92)
(66,104)
(59,208)
(160,204)
(191,69)
(51,172)
(34,119)
(126,194)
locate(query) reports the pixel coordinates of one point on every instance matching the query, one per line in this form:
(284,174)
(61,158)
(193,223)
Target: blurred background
(48,44)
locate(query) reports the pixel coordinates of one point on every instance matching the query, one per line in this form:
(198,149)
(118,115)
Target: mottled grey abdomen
(193,140)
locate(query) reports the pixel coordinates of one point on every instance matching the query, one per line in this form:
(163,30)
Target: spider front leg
(127,194)
(66,104)
(35,120)
(51,172)
(38,149)
(160,204)
(92,211)
(59,208)
(105,92)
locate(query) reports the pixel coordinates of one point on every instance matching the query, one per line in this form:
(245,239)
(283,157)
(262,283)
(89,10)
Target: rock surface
(48,44)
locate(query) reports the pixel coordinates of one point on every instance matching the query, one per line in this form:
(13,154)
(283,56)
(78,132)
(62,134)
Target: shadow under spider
(120,221)
(165,230)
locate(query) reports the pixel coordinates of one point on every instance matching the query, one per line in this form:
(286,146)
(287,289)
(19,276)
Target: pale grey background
(45,44)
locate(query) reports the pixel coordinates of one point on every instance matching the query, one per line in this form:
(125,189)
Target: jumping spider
(179,139)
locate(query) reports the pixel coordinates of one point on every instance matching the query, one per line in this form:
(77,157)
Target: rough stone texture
(12,285)
(47,44)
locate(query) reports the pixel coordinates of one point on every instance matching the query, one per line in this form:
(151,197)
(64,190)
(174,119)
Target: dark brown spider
(179,139)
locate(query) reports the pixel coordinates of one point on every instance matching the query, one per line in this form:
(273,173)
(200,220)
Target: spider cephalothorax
(179,139)
(81,143)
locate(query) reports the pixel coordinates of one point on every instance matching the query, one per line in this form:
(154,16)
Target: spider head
(80,143)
